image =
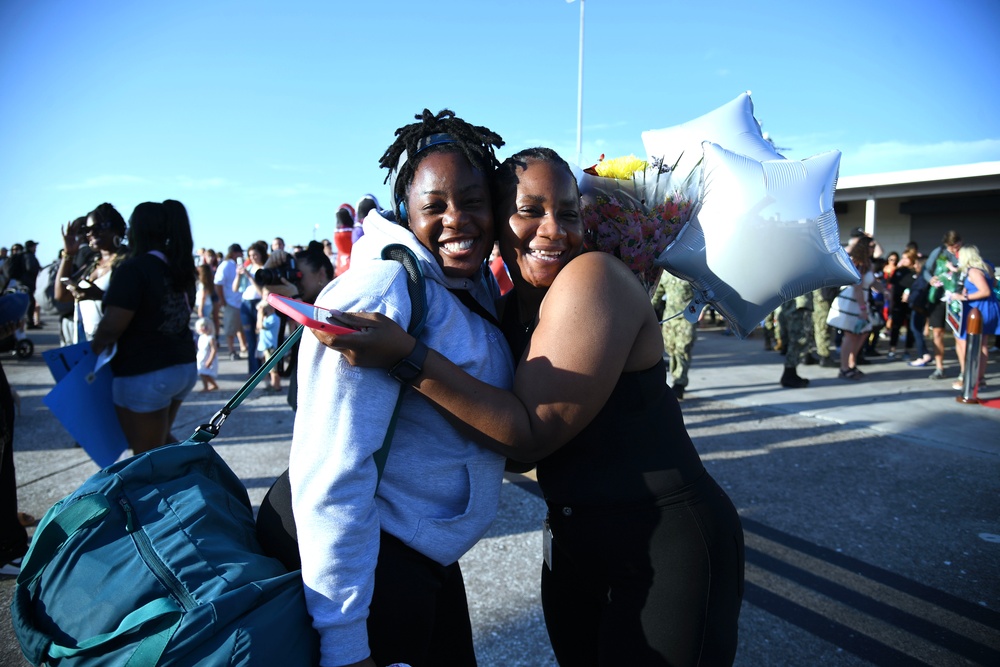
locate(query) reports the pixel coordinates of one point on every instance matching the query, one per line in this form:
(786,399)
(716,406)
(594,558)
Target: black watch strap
(409,369)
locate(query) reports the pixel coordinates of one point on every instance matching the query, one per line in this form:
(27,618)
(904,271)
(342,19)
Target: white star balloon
(732,125)
(765,233)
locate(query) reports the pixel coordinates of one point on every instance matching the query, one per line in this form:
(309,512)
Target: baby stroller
(13,307)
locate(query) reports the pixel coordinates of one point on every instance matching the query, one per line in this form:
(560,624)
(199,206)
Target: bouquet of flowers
(634,210)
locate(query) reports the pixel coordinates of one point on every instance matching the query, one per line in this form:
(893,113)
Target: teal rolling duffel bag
(155,561)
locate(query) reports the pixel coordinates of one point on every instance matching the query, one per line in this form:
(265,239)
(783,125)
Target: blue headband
(423,144)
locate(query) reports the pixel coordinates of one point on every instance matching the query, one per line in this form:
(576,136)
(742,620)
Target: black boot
(678,392)
(792,380)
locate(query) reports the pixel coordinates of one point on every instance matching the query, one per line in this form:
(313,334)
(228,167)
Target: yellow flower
(620,167)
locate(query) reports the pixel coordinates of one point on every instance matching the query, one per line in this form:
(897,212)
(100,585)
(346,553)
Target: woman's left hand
(379,342)
(89,293)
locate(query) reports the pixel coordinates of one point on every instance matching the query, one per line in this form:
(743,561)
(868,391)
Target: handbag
(845,315)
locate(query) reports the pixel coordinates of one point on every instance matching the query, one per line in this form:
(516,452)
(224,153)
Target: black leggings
(657,586)
(419,614)
(900,319)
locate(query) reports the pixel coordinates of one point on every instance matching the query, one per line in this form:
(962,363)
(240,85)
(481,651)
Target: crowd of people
(897,291)
(644,555)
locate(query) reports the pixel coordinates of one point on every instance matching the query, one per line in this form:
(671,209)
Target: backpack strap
(418,317)
(206,432)
(414,285)
(470,302)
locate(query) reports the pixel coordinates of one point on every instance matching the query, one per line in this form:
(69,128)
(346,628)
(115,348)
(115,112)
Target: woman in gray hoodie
(380,558)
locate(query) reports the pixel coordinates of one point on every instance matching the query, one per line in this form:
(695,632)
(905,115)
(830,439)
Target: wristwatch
(409,369)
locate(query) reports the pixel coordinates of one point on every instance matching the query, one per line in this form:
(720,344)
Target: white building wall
(892,228)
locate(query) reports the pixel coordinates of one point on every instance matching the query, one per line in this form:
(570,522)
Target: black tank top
(635,450)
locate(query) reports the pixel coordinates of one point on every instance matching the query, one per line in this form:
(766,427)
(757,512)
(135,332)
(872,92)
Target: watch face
(406,371)
(409,369)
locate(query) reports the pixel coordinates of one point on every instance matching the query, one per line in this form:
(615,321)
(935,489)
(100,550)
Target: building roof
(957,179)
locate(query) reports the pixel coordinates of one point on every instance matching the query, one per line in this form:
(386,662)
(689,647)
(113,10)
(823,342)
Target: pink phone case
(305,313)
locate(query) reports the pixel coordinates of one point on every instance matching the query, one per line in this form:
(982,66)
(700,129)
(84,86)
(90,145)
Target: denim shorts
(230,320)
(155,390)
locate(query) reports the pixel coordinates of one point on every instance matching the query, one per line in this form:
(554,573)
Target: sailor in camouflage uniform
(821,330)
(671,297)
(796,315)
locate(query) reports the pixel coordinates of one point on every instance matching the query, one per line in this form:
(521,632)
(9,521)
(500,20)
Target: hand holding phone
(311,316)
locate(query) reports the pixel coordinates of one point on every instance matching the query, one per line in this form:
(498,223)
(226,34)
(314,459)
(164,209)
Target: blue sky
(263,117)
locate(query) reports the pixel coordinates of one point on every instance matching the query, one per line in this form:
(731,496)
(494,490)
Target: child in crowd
(268,326)
(208,354)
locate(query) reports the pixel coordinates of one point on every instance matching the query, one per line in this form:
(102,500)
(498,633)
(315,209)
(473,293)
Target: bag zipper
(153,560)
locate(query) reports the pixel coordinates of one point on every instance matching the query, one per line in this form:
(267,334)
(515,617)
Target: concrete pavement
(870,508)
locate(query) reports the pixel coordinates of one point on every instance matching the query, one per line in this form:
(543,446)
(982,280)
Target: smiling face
(450,212)
(100,234)
(542,229)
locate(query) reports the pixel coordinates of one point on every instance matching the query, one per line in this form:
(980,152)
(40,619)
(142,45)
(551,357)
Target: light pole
(579,93)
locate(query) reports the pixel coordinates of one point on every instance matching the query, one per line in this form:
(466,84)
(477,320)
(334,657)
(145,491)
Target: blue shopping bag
(81,401)
(62,359)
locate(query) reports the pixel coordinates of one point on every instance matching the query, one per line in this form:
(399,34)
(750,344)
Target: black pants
(654,586)
(419,614)
(13,536)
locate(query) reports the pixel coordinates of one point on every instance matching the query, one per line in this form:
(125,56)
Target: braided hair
(504,182)
(475,142)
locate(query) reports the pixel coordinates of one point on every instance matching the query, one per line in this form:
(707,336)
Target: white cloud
(294,168)
(105,181)
(293,190)
(212,183)
(898,156)
(604,126)
(888,156)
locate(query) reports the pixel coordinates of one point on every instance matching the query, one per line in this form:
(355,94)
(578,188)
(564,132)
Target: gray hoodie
(439,491)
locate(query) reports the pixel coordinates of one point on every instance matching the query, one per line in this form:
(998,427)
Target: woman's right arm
(595,322)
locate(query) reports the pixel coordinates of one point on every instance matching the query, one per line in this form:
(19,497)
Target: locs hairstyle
(475,142)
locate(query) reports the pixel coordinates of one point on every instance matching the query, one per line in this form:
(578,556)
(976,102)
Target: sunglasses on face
(98,228)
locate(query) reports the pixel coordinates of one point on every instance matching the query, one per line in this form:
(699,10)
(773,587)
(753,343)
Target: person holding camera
(304,277)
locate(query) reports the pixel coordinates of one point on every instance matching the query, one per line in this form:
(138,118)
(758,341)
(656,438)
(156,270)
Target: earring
(117,241)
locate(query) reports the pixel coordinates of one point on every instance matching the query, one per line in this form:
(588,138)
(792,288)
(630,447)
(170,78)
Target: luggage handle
(39,647)
(44,546)
(148,651)
(56,530)
(211,429)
